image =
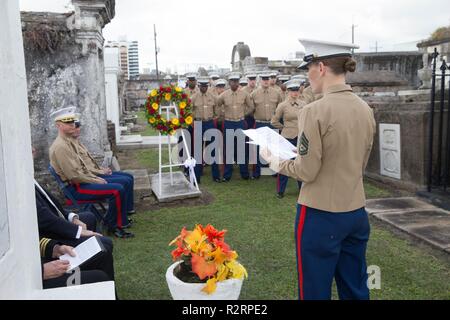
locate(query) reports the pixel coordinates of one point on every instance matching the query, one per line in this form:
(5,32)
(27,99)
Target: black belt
(200,119)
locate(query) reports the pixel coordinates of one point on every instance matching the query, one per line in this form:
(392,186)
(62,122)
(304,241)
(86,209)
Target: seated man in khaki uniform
(81,182)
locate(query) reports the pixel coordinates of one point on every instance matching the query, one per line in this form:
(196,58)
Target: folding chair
(80,205)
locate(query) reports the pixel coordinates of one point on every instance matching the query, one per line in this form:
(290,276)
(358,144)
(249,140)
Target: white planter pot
(226,290)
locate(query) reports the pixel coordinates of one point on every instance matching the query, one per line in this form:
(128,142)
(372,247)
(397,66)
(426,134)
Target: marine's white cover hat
(67,114)
(203,81)
(191,76)
(220,82)
(319,50)
(234,76)
(284,77)
(243,80)
(293,84)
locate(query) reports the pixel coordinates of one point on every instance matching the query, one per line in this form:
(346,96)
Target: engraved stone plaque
(390,159)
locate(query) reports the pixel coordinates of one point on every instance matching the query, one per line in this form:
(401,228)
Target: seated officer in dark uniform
(54,270)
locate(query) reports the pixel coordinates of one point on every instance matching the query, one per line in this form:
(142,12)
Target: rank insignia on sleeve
(304,145)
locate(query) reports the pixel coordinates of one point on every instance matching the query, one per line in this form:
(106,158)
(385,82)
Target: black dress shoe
(280,195)
(255,177)
(130,213)
(225,180)
(245,178)
(121,233)
(217,180)
(129,224)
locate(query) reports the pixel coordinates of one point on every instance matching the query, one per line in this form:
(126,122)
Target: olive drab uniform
(205,112)
(288,111)
(335,139)
(265,101)
(65,158)
(235,105)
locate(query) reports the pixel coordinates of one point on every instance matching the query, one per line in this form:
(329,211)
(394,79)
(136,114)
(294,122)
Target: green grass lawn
(261,229)
(142,120)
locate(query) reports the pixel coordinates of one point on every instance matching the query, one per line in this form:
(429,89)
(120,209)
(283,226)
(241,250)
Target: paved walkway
(415,217)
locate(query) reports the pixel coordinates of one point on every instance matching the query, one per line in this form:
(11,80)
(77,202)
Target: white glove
(272,160)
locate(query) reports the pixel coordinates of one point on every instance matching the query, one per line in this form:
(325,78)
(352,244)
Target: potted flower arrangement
(205,266)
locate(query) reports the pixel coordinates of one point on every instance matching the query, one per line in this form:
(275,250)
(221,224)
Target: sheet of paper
(84,251)
(269,138)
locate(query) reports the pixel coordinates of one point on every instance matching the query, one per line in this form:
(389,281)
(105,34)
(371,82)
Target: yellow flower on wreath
(175,121)
(178,89)
(155,106)
(153,93)
(182,105)
(168,96)
(151,120)
(189,120)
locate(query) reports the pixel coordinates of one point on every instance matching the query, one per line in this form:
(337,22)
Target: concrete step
(418,218)
(141,183)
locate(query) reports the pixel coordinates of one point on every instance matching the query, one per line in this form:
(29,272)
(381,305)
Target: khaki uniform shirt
(249,90)
(335,140)
(213,90)
(308,96)
(235,105)
(276,87)
(289,110)
(284,94)
(67,162)
(86,157)
(205,106)
(266,102)
(190,92)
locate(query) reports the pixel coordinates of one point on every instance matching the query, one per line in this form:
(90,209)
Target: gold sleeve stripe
(43,244)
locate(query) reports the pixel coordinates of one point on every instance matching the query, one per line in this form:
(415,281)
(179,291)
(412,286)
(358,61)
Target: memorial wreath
(170,94)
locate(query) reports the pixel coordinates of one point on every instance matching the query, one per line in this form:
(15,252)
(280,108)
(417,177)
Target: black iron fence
(439,159)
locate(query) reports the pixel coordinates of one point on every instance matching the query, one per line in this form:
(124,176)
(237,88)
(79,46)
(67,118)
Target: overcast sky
(204,31)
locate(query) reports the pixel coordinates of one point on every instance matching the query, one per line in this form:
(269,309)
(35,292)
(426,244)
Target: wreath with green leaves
(170,94)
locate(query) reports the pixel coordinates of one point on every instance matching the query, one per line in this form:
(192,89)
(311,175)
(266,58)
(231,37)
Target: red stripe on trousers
(222,165)
(257,155)
(301,223)
(106,192)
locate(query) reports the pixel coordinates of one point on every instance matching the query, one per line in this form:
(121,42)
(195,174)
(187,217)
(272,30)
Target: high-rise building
(133,59)
(129,57)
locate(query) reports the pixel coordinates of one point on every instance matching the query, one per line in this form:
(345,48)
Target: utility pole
(353,33)
(376,46)
(156,53)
